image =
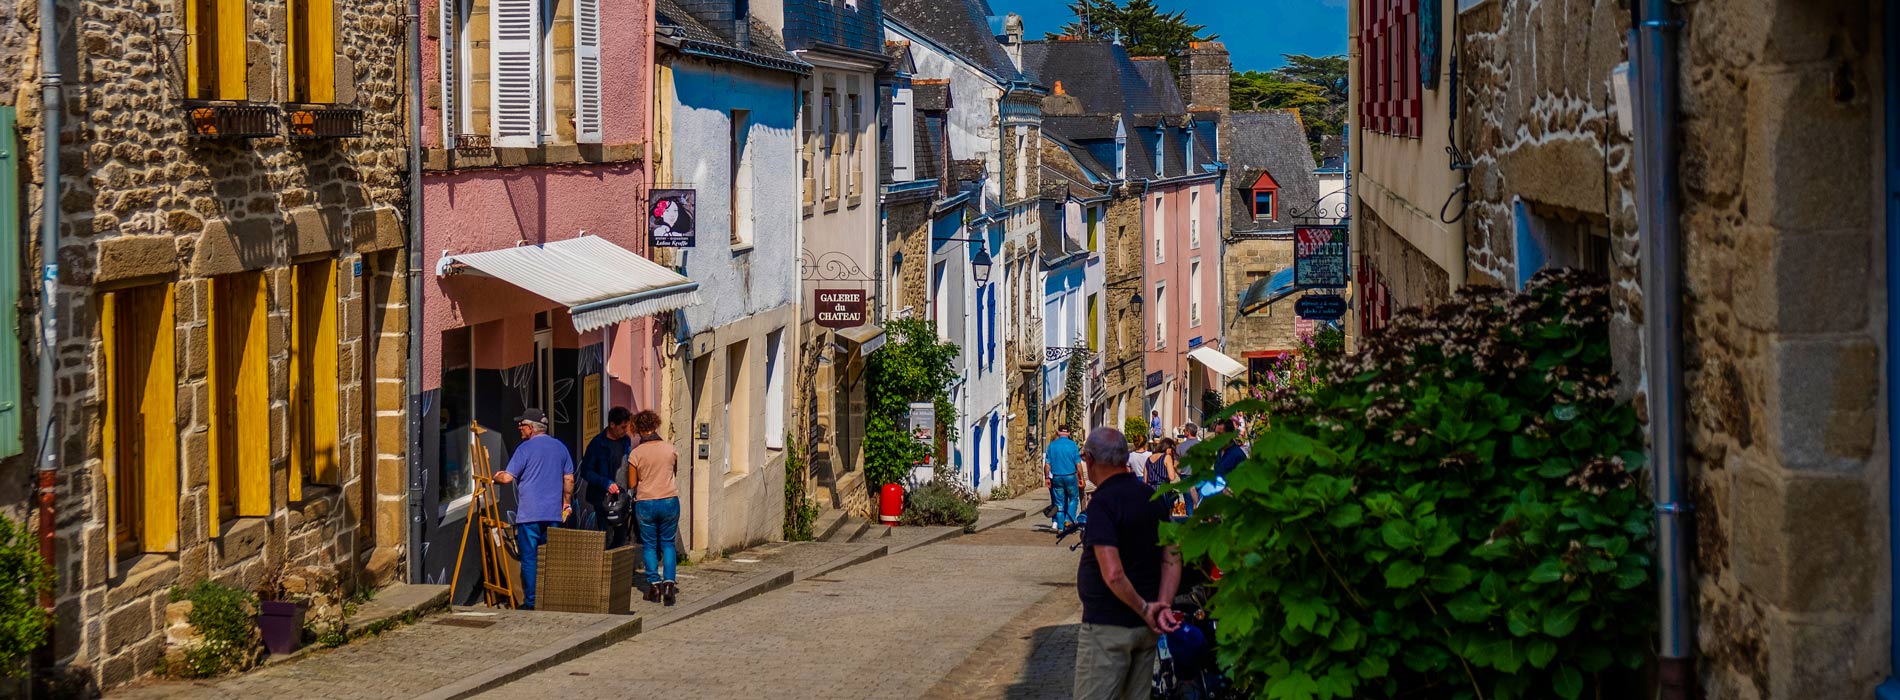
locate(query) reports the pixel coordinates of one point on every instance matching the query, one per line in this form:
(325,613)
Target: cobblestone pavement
(412,660)
(890,628)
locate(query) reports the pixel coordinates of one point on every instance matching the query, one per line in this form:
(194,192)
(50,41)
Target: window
(239,369)
(940,300)
(829,142)
(313,388)
(1161,230)
(1194,218)
(1260,366)
(1194,293)
(809,154)
(312,52)
(853,163)
(1556,242)
(215,63)
(1265,204)
(738,409)
(1161,316)
(1161,148)
(1094,223)
(1187,150)
(140,426)
(526,56)
(739,182)
(1022,162)
(1121,157)
(1094,320)
(775,390)
(1389,73)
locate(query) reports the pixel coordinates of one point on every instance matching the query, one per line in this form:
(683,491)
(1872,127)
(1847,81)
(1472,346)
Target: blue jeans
(1068,498)
(659,525)
(529,537)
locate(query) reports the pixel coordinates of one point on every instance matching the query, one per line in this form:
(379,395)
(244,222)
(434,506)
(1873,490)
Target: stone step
(857,533)
(828,523)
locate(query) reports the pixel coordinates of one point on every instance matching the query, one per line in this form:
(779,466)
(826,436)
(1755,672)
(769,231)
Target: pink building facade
(527,144)
(1181,219)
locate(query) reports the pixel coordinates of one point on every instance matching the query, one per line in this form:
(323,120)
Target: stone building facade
(233,314)
(1785,173)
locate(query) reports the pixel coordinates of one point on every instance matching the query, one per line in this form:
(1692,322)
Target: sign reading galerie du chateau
(1320,258)
(839,308)
(672,218)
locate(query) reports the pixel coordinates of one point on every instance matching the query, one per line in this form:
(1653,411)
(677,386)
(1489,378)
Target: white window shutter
(515,75)
(450,42)
(903,137)
(587,109)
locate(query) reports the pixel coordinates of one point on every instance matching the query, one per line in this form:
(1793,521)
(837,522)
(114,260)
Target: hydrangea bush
(1454,512)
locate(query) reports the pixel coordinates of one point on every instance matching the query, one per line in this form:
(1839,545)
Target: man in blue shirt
(1060,471)
(543,474)
(1232,454)
(603,467)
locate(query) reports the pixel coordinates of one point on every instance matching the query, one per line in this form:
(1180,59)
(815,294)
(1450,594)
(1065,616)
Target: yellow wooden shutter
(229,26)
(109,428)
(312,55)
(215,490)
(159,423)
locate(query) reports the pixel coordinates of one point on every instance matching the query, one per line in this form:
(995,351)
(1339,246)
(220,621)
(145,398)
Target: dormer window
(1187,150)
(1121,157)
(1265,194)
(1161,147)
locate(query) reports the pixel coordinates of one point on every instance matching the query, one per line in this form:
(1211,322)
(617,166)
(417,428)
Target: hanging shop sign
(839,308)
(1321,307)
(923,422)
(1320,257)
(672,218)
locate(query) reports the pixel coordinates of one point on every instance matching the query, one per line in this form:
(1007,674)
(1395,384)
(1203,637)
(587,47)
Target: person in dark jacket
(602,471)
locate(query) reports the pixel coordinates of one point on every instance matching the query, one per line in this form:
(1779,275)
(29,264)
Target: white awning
(1215,360)
(600,283)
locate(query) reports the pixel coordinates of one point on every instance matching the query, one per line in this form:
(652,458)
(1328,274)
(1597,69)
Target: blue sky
(1256,32)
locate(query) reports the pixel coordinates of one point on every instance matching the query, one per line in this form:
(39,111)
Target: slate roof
(697,37)
(1100,74)
(1056,246)
(931,95)
(1139,93)
(1167,93)
(828,24)
(960,26)
(1274,142)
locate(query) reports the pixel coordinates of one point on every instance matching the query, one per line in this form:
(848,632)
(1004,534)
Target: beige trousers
(1114,663)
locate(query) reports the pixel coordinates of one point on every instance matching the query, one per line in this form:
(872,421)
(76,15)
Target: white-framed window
(522,74)
(1194,218)
(1194,293)
(1161,229)
(1161,315)
(740,173)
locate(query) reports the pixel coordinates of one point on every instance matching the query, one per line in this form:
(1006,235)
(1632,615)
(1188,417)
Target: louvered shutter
(451,44)
(903,137)
(515,75)
(10,371)
(587,127)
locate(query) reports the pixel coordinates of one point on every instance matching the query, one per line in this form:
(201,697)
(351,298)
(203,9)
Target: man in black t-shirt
(1126,579)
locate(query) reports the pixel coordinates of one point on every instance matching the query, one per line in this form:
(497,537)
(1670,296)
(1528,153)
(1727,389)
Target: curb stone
(573,646)
(758,585)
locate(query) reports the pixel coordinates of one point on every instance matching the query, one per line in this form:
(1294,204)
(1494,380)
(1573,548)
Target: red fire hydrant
(890,504)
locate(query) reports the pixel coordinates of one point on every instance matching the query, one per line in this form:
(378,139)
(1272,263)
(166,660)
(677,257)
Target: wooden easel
(485,511)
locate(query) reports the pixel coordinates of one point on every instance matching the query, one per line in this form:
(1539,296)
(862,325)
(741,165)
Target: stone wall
(143,204)
(1265,330)
(1784,306)
(1123,366)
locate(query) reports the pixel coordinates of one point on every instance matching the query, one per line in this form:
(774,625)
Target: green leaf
(1374,666)
(1630,577)
(1547,572)
(1560,621)
(1469,607)
(1541,652)
(1346,516)
(1451,577)
(1567,682)
(1402,574)
(1302,612)
(1399,535)
(1296,685)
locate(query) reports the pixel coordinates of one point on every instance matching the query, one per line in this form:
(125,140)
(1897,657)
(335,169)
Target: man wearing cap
(1060,471)
(544,476)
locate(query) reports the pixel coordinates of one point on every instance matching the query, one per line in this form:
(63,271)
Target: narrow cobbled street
(989,615)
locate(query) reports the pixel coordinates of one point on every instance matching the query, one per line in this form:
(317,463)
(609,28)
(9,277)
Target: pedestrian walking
(1232,453)
(1126,579)
(1061,470)
(604,477)
(1154,426)
(1162,464)
(543,474)
(1193,433)
(653,465)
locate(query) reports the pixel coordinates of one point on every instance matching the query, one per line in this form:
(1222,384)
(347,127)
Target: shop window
(140,428)
(240,397)
(313,377)
(215,61)
(1389,72)
(312,51)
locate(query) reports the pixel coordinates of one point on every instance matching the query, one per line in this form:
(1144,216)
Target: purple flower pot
(281,624)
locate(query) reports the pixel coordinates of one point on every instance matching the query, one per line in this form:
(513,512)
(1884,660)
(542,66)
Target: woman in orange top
(653,467)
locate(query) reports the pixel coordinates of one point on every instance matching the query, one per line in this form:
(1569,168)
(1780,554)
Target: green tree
(1315,85)
(23,577)
(1142,27)
(913,366)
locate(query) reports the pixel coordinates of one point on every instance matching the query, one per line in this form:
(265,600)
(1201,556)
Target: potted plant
(280,616)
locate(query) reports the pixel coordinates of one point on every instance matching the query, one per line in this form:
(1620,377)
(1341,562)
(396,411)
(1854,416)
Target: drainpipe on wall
(412,382)
(50,117)
(1659,216)
(1890,689)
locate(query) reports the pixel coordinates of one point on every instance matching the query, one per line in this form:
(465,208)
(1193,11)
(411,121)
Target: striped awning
(600,283)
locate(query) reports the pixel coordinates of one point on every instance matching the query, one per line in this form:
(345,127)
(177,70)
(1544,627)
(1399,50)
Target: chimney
(1013,39)
(1060,103)
(1206,72)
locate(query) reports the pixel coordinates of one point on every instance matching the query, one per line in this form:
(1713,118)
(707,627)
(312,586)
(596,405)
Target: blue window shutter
(10,388)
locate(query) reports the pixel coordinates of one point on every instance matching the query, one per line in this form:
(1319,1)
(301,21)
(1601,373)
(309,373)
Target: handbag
(617,508)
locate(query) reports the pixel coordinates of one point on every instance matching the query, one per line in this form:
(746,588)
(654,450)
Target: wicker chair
(577,573)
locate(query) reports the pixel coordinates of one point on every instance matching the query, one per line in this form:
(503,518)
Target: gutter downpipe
(1890,688)
(1659,217)
(50,129)
(412,383)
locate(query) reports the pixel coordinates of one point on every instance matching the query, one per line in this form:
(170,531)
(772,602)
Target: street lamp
(980,266)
